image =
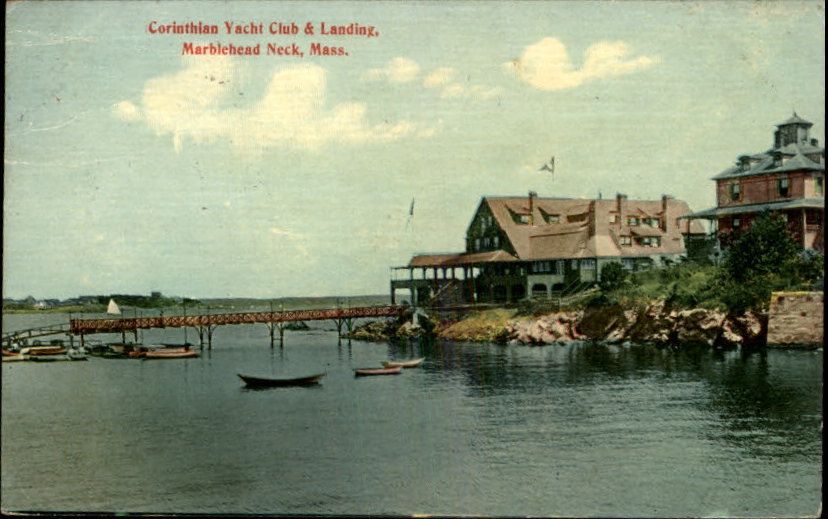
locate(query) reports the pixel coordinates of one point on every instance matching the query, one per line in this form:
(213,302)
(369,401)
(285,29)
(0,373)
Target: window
(628,264)
(524,218)
(496,241)
(735,192)
(651,241)
(553,218)
(588,264)
(613,218)
(477,244)
(736,223)
(483,222)
(653,222)
(486,242)
(632,220)
(782,186)
(574,265)
(818,185)
(625,240)
(559,265)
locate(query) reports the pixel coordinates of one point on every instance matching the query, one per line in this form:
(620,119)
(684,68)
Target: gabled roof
(584,229)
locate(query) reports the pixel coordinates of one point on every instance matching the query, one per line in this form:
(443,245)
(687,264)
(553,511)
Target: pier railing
(88,326)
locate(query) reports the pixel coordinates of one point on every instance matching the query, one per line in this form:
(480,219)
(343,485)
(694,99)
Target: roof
(795,119)
(795,161)
(459,259)
(589,232)
(799,203)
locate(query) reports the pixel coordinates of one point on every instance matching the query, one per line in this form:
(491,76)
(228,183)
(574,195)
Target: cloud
(443,78)
(200,103)
(127,111)
(439,77)
(545,65)
(398,70)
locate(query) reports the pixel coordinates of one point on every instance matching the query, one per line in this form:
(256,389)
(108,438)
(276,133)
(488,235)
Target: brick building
(788,179)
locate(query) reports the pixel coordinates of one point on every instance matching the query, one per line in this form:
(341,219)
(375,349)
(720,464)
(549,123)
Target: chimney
(665,215)
(777,143)
(532,196)
(621,208)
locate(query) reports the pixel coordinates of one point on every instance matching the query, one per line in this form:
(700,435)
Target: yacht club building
(531,247)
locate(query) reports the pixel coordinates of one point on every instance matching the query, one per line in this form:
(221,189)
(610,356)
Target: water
(478,429)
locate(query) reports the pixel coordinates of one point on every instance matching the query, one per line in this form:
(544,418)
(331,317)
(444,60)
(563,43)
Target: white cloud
(545,65)
(398,70)
(439,77)
(127,111)
(195,104)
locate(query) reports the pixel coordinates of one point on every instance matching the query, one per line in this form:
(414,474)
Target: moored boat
(163,354)
(15,358)
(48,358)
(75,354)
(281,382)
(43,351)
(367,372)
(413,363)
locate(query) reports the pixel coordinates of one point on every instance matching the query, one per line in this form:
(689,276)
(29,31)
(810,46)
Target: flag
(549,166)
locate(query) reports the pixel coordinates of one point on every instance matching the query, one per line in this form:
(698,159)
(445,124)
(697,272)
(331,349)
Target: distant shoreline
(284,303)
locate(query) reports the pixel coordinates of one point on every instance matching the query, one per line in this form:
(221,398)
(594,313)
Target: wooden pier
(205,324)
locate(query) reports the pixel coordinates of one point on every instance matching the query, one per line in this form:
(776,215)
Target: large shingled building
(521,247)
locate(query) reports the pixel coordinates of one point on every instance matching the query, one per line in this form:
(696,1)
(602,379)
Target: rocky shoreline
(655,323)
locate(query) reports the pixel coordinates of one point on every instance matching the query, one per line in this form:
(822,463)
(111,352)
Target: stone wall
(795,319)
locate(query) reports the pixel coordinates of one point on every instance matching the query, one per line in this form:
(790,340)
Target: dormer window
(632,221)
(735,192)
(626,241)
(783,186)
(652,222)
(553,218)
(523,218)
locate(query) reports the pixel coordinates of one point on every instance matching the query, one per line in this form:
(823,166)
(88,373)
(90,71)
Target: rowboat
(43,350)
(14,358)
(10,353)
(280,382)
(367,372)
(162,354)
(48,358)
(413,363)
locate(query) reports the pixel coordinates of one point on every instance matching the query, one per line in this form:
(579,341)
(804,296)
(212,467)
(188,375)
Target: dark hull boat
(281,382)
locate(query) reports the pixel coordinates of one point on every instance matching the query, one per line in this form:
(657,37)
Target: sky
(132,168)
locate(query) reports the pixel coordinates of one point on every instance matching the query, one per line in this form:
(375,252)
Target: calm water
(478,429)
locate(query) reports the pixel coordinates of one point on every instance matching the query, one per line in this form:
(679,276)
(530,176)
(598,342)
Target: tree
(613,276)
(766,248)
(763,259)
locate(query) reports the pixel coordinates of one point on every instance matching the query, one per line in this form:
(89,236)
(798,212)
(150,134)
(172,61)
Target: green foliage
(613,276)
(764,259)
(764,249)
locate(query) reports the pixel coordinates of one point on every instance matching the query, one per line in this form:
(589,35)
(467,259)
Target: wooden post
(282,335)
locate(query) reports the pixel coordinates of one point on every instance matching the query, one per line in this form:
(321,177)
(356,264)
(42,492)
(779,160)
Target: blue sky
(130,168)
